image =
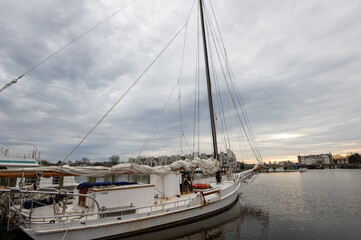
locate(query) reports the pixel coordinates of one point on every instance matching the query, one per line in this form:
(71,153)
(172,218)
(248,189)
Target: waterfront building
(228,159)
(341,161)
(151,161)
(315,159)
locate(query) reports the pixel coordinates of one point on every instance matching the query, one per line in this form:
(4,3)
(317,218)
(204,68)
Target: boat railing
(29,219)
(58,193)
(84,216)
(29,195)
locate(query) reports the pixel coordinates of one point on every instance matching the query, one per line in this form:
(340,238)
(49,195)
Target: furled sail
(207,166)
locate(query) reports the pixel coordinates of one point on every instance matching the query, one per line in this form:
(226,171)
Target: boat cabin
(114,195)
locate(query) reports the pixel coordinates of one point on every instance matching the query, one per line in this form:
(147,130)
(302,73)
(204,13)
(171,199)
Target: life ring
(201,185)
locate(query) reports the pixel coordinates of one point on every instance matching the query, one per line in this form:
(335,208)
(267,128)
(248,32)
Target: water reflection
(316,204)
(240,222)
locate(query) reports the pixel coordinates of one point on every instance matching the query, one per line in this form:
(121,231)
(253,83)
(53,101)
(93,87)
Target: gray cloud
(297,65)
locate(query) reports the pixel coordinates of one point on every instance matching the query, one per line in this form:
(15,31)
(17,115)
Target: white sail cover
(207,166)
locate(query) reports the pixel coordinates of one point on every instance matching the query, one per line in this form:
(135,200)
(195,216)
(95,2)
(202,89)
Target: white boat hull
(118,227)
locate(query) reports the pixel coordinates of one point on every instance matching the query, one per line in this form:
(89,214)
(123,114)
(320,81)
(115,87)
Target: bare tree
(85,161)
(114,159)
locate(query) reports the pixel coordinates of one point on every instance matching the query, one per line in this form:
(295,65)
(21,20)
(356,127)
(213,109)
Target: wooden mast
(209,88)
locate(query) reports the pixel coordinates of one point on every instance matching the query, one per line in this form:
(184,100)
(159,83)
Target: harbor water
(315,204)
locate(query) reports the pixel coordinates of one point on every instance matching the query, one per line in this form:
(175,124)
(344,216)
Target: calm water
(316,204)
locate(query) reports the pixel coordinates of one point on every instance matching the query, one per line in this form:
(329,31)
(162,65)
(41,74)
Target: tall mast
(209,88)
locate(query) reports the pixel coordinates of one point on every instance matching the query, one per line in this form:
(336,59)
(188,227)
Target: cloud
(296,65)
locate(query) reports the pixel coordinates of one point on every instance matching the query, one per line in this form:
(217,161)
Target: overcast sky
(297,64)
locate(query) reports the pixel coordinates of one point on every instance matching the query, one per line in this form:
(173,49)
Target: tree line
(113,160)
(354,158)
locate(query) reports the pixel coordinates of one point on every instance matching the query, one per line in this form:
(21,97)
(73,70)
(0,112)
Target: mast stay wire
(223,124)
(240,119)
(250,139)
(154,130)
(212,67)
(226,139)
(180,78)
(235,86)
(215,36)
(150,135)
(224,128)
(178,84)
(65,46)
(126,92)
(225,134)
(244,113)
(196,95)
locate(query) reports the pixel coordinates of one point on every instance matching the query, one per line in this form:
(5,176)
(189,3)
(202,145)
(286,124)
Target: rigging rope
(196,96)
(154,131)
(126,92)
(223,122)
(151,133)
(220,101)
(249,134)
(235,87)
(65,46)
(180,77)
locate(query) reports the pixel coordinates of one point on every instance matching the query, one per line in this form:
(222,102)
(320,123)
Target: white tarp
(207,166)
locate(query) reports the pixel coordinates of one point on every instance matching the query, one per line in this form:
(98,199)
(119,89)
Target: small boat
(8,161)
(120,209)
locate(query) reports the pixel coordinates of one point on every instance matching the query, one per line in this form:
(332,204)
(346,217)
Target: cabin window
(56,180)
(12,182)
(30,181)
(8,182)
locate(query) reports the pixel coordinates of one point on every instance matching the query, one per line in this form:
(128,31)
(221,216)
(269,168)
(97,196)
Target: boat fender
(201,185)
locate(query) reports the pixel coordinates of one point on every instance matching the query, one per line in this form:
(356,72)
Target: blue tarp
(88,184)
(38,203)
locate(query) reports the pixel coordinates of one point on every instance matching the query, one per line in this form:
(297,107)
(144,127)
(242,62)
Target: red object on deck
(201,185)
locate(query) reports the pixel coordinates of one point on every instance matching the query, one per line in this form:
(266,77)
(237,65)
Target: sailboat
(120,209)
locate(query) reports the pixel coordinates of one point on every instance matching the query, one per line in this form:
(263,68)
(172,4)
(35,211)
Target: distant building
(341,161)
(227,159)
(315,159)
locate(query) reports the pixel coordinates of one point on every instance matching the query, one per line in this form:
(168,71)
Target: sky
(297,65)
